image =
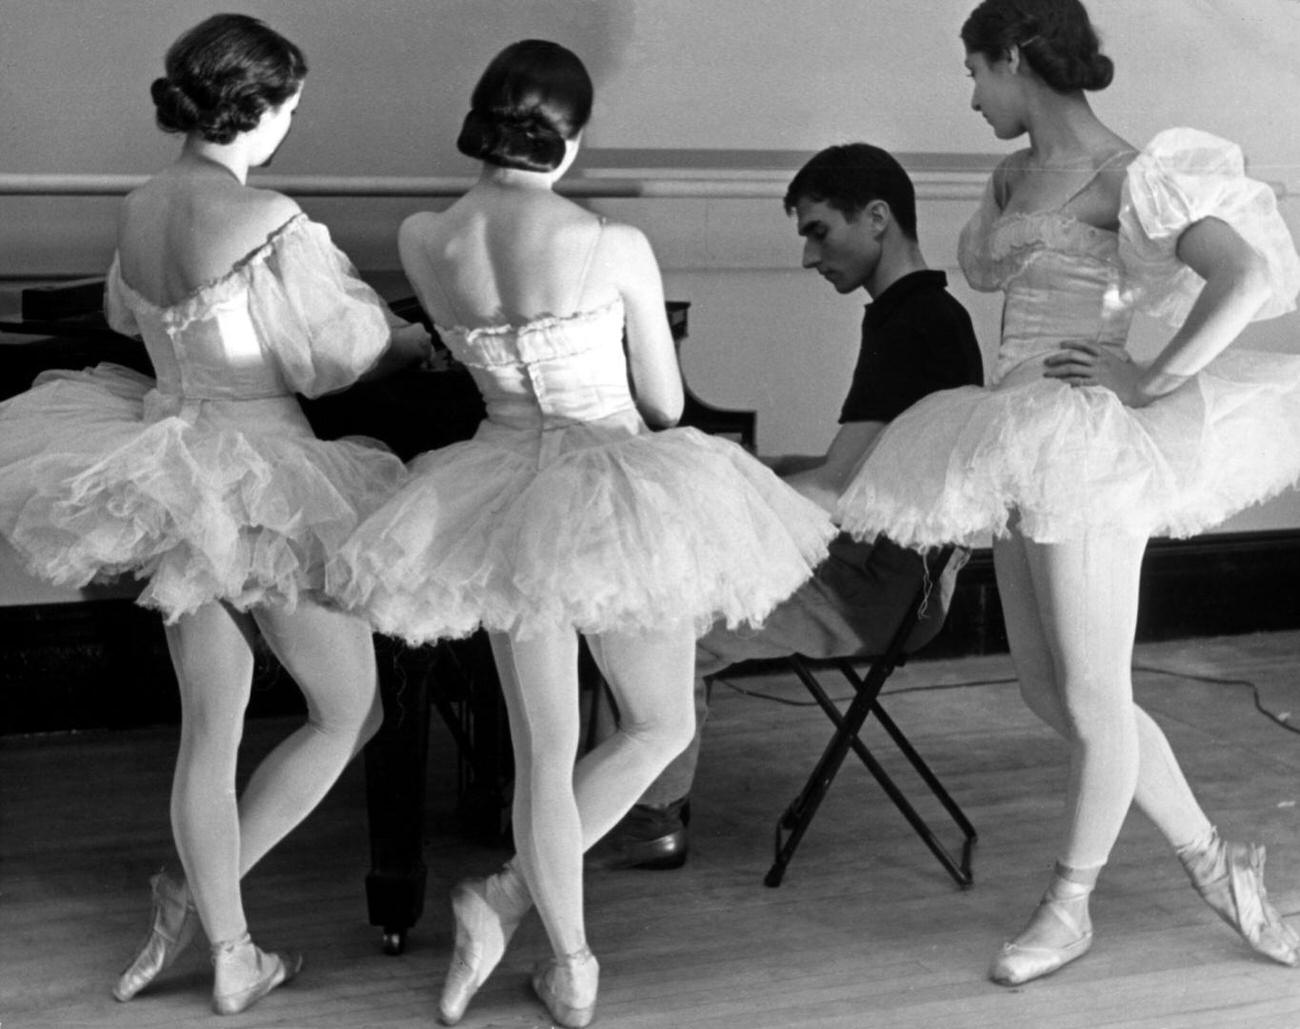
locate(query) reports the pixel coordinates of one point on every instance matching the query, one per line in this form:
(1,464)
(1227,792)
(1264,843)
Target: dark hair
(1054,36)
(223,74)
(533,96)
(852,175)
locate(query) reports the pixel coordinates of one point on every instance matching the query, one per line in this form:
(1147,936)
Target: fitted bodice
(1062,278)
(1068,280)
(549,372)
(207,351)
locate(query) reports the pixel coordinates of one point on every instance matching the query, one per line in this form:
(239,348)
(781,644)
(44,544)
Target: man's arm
(825,480)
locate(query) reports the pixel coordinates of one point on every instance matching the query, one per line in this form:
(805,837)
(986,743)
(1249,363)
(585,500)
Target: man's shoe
(646,837)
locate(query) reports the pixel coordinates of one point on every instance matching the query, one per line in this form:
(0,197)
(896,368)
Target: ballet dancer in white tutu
(208,482)
(565,514)
(1077,454)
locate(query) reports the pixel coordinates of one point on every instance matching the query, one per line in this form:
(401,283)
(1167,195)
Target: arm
(823,482)
(652,357)
(1236,287)
(409,346)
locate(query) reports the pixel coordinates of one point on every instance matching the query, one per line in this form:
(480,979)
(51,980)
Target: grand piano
(411,413)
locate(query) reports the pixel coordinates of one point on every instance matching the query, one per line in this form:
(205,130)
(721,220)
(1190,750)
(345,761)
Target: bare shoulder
(1008,173)
(417,229)
(621,240)
(257,213)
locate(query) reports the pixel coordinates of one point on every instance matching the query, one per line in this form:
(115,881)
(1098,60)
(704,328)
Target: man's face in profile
(841,248)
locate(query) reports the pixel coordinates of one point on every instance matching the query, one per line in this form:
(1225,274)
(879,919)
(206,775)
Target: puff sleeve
(314,315)
(1182,176)
(117,311)
(982,270)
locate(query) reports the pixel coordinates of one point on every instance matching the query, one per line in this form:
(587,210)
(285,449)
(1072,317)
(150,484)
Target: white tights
(1071,612)
(331,657)
(561,809)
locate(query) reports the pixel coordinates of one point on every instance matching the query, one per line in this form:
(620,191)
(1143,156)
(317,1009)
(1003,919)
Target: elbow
(661,416)
(1252,281)
(662,408)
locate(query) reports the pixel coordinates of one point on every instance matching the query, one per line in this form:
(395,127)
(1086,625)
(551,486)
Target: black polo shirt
(916,339)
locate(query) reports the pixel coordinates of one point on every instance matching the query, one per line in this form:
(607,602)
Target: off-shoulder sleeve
(321,323)
(1181,177)
(974,256)
(117,311)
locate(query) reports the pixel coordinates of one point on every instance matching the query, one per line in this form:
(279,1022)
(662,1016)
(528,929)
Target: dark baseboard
(1214,585)
(104,663)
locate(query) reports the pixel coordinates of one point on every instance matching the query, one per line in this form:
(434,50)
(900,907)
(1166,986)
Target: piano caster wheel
(394,941)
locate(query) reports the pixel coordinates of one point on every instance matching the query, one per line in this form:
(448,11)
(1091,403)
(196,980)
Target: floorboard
(867,930)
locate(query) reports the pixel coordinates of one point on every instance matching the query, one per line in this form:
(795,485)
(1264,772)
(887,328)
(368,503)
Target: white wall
(390,80)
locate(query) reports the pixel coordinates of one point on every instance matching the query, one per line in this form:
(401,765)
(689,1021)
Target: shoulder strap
(1093,177)
(586,266)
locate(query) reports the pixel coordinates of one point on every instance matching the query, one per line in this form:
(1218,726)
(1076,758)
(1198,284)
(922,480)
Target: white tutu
(624,531)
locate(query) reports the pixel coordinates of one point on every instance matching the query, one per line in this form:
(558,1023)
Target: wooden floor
(867,930)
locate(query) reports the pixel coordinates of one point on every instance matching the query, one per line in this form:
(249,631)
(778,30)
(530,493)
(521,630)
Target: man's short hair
(850,176)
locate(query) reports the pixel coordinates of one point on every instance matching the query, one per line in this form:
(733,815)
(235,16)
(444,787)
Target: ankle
(1204,858)
(1071,882)
(508,893)
(231,948)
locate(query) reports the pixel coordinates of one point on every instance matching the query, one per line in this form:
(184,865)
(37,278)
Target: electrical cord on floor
(1282,718)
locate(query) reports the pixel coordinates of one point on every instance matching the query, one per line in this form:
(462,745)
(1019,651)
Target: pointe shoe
(487,913)
(244,974)
(174,924)
(1061,914)
(567,986)
(1230,878)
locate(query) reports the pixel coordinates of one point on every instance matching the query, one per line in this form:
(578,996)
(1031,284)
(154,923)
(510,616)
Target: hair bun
(513,138)
(176,111)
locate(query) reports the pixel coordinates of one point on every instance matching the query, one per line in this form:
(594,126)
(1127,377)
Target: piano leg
(395,762)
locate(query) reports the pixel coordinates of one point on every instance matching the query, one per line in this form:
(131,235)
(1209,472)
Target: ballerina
(566,514)
(1077,454)
(209,483)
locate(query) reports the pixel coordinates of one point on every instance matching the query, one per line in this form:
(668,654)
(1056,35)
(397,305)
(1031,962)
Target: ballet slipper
(1059,931)
(244,974)
(1230,878)
(174,923)
(487,912)
(567,985)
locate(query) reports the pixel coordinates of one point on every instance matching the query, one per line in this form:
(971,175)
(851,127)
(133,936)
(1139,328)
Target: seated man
(856,211)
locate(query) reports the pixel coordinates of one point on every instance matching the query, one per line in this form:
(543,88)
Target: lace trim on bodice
(994,253)
(539,339)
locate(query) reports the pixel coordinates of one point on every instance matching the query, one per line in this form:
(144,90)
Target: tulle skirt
(604,527)
(231,500)
(1066,460)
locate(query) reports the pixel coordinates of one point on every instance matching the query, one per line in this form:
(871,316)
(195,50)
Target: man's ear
(878,215)
(1013,59)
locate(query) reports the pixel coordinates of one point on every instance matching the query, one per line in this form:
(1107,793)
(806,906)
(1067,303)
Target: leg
(331,657)
(1056,633)
(1069,611)
(1162,792)
(656,691)
(213,660)
(851,605)
(539,681)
